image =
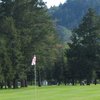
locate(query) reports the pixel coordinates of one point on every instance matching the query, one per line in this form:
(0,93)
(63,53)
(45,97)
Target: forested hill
(64,34)
(70,13)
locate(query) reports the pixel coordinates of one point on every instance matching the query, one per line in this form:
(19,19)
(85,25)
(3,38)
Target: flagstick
(35,76)
(35,80)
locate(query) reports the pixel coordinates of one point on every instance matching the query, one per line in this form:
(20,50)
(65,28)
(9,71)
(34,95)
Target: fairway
(53,93)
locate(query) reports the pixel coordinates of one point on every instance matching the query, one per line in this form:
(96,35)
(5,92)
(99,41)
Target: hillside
(70,13)
(64,34)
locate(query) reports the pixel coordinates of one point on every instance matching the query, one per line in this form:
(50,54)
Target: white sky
(53,2)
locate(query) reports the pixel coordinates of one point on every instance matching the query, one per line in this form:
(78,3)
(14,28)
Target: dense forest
(25,29)
(71,12)
(69,15)
(63,56)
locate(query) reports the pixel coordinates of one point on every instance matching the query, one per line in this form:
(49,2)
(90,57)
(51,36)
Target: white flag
(34,60)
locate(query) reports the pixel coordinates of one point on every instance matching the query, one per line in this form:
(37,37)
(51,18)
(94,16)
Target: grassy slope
(53,93)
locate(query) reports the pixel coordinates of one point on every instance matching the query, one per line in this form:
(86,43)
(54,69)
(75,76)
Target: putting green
(91,92)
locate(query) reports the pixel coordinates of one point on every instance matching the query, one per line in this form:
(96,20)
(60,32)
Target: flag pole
(35,74)
(34,63)
(35,77)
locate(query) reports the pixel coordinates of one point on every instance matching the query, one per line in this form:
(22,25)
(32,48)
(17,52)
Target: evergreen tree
(83,49)
(25,29)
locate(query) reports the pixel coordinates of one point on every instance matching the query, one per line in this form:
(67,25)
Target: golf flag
(33,60)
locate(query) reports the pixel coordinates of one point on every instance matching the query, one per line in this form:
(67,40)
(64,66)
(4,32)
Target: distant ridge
(70,13)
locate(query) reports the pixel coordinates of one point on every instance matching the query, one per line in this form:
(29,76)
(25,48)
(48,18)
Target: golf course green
(91,92)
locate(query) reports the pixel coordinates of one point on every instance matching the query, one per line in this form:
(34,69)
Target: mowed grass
(91,92)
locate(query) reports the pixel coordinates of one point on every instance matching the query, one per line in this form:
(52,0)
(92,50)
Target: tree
(83,49)
(25,29)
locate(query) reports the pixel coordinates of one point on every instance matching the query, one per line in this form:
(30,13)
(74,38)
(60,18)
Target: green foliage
(64,34)
(82,54)
(71,12)
(25,29)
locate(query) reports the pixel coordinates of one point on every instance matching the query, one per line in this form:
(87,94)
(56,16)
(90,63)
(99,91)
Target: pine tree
(83,49)
(25,29)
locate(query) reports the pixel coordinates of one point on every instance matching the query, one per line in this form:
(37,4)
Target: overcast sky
(53,2)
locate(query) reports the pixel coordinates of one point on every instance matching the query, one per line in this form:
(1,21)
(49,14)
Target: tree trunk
(1,85)
(95,81)
(9,83)
(39,79)
(65,82)
(88,82)
(22,83)
(73,82)
(26,83)
(15,84)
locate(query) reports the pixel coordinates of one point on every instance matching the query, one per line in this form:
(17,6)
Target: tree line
(25,29)
(80,60)
(71,12)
